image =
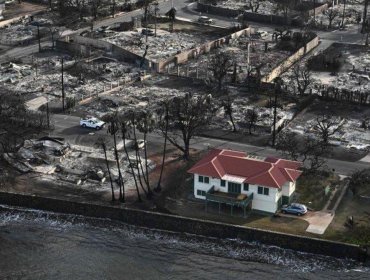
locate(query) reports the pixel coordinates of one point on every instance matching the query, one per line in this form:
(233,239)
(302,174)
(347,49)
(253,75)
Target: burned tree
(326,126)
(302,78)
(227,104)
(145,124)
(101,143)
(220,64)
(303,148)
(163,124)
(254,5)
(113,129)
(187,116)
(125,121)
(251,118)
(16,122)
(331,14)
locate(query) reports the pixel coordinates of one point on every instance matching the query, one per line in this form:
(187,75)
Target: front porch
(232,199)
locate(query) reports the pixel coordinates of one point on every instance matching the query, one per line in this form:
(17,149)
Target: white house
(234,178)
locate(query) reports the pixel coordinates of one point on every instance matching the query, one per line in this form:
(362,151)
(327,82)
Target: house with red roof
(238,179)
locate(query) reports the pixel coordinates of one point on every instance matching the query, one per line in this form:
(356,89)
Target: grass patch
(311,188)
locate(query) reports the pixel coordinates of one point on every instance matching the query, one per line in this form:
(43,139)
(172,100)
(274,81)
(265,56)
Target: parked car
(294,208)
(92,123)
(204,19)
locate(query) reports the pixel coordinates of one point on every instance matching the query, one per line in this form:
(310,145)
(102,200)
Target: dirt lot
(351,142)
(18,10)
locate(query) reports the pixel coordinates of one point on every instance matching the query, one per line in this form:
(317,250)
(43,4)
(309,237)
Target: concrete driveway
(318,220)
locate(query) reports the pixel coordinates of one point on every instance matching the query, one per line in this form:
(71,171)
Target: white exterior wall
(205,187)
(288,188)
(261,202)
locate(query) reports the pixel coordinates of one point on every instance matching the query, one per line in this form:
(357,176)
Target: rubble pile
(259,58)
(77,165)
(42,76)
(165,45)
(17,34)
(354,132)
(352,15)
(266,7)
(131,97)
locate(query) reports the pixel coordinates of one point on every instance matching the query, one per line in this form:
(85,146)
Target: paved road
(68,127)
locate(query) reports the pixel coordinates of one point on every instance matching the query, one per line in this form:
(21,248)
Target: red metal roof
(270,172)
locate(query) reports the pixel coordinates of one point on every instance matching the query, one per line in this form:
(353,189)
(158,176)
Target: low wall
(282,67)
(187,225)
(184,56)
(250,16)
(116,51)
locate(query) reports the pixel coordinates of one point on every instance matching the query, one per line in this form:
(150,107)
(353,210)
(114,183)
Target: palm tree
(101,143)
(145,124)
(125,127)
(166,121)
(112,130)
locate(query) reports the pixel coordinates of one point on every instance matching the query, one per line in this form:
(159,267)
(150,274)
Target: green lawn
(311,189)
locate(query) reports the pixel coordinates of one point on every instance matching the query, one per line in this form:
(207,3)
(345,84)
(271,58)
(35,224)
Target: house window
(200,179)
(246,187)
(223,183)
(264,191)
(234,187)
(206,180)
(201,193)
(260,190)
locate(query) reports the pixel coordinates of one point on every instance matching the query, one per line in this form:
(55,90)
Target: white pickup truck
(92,123)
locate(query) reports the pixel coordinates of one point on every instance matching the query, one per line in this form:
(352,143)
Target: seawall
(187,225)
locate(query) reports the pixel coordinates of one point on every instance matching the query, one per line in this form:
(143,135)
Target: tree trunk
(159,188)
(131,167)
(121,184)
(150,193)
(110,175)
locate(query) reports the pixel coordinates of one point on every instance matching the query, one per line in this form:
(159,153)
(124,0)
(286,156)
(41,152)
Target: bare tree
(302,77)
(16,122)
(254,5)
(227,104)
(327,126)
(187,116)
(251,118)
(331,14)
(163,124)
(303,148)
(220,64)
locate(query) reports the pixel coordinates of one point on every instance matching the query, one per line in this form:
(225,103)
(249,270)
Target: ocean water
(44,245)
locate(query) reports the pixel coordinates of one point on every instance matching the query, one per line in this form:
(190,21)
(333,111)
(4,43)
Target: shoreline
(168,222)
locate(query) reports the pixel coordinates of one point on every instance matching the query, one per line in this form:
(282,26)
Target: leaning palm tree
(163,114)
(102,144)
(112,130)
(125,125)
(145,124)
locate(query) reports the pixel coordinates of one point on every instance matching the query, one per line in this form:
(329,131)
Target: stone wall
(282,67)
(250,16)
(187,225)
(184,56)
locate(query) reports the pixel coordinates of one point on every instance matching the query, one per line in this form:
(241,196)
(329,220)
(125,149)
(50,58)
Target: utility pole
(344,12)
(364,16)
(156,9)
(63,94)
(38,36)
(277,91)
